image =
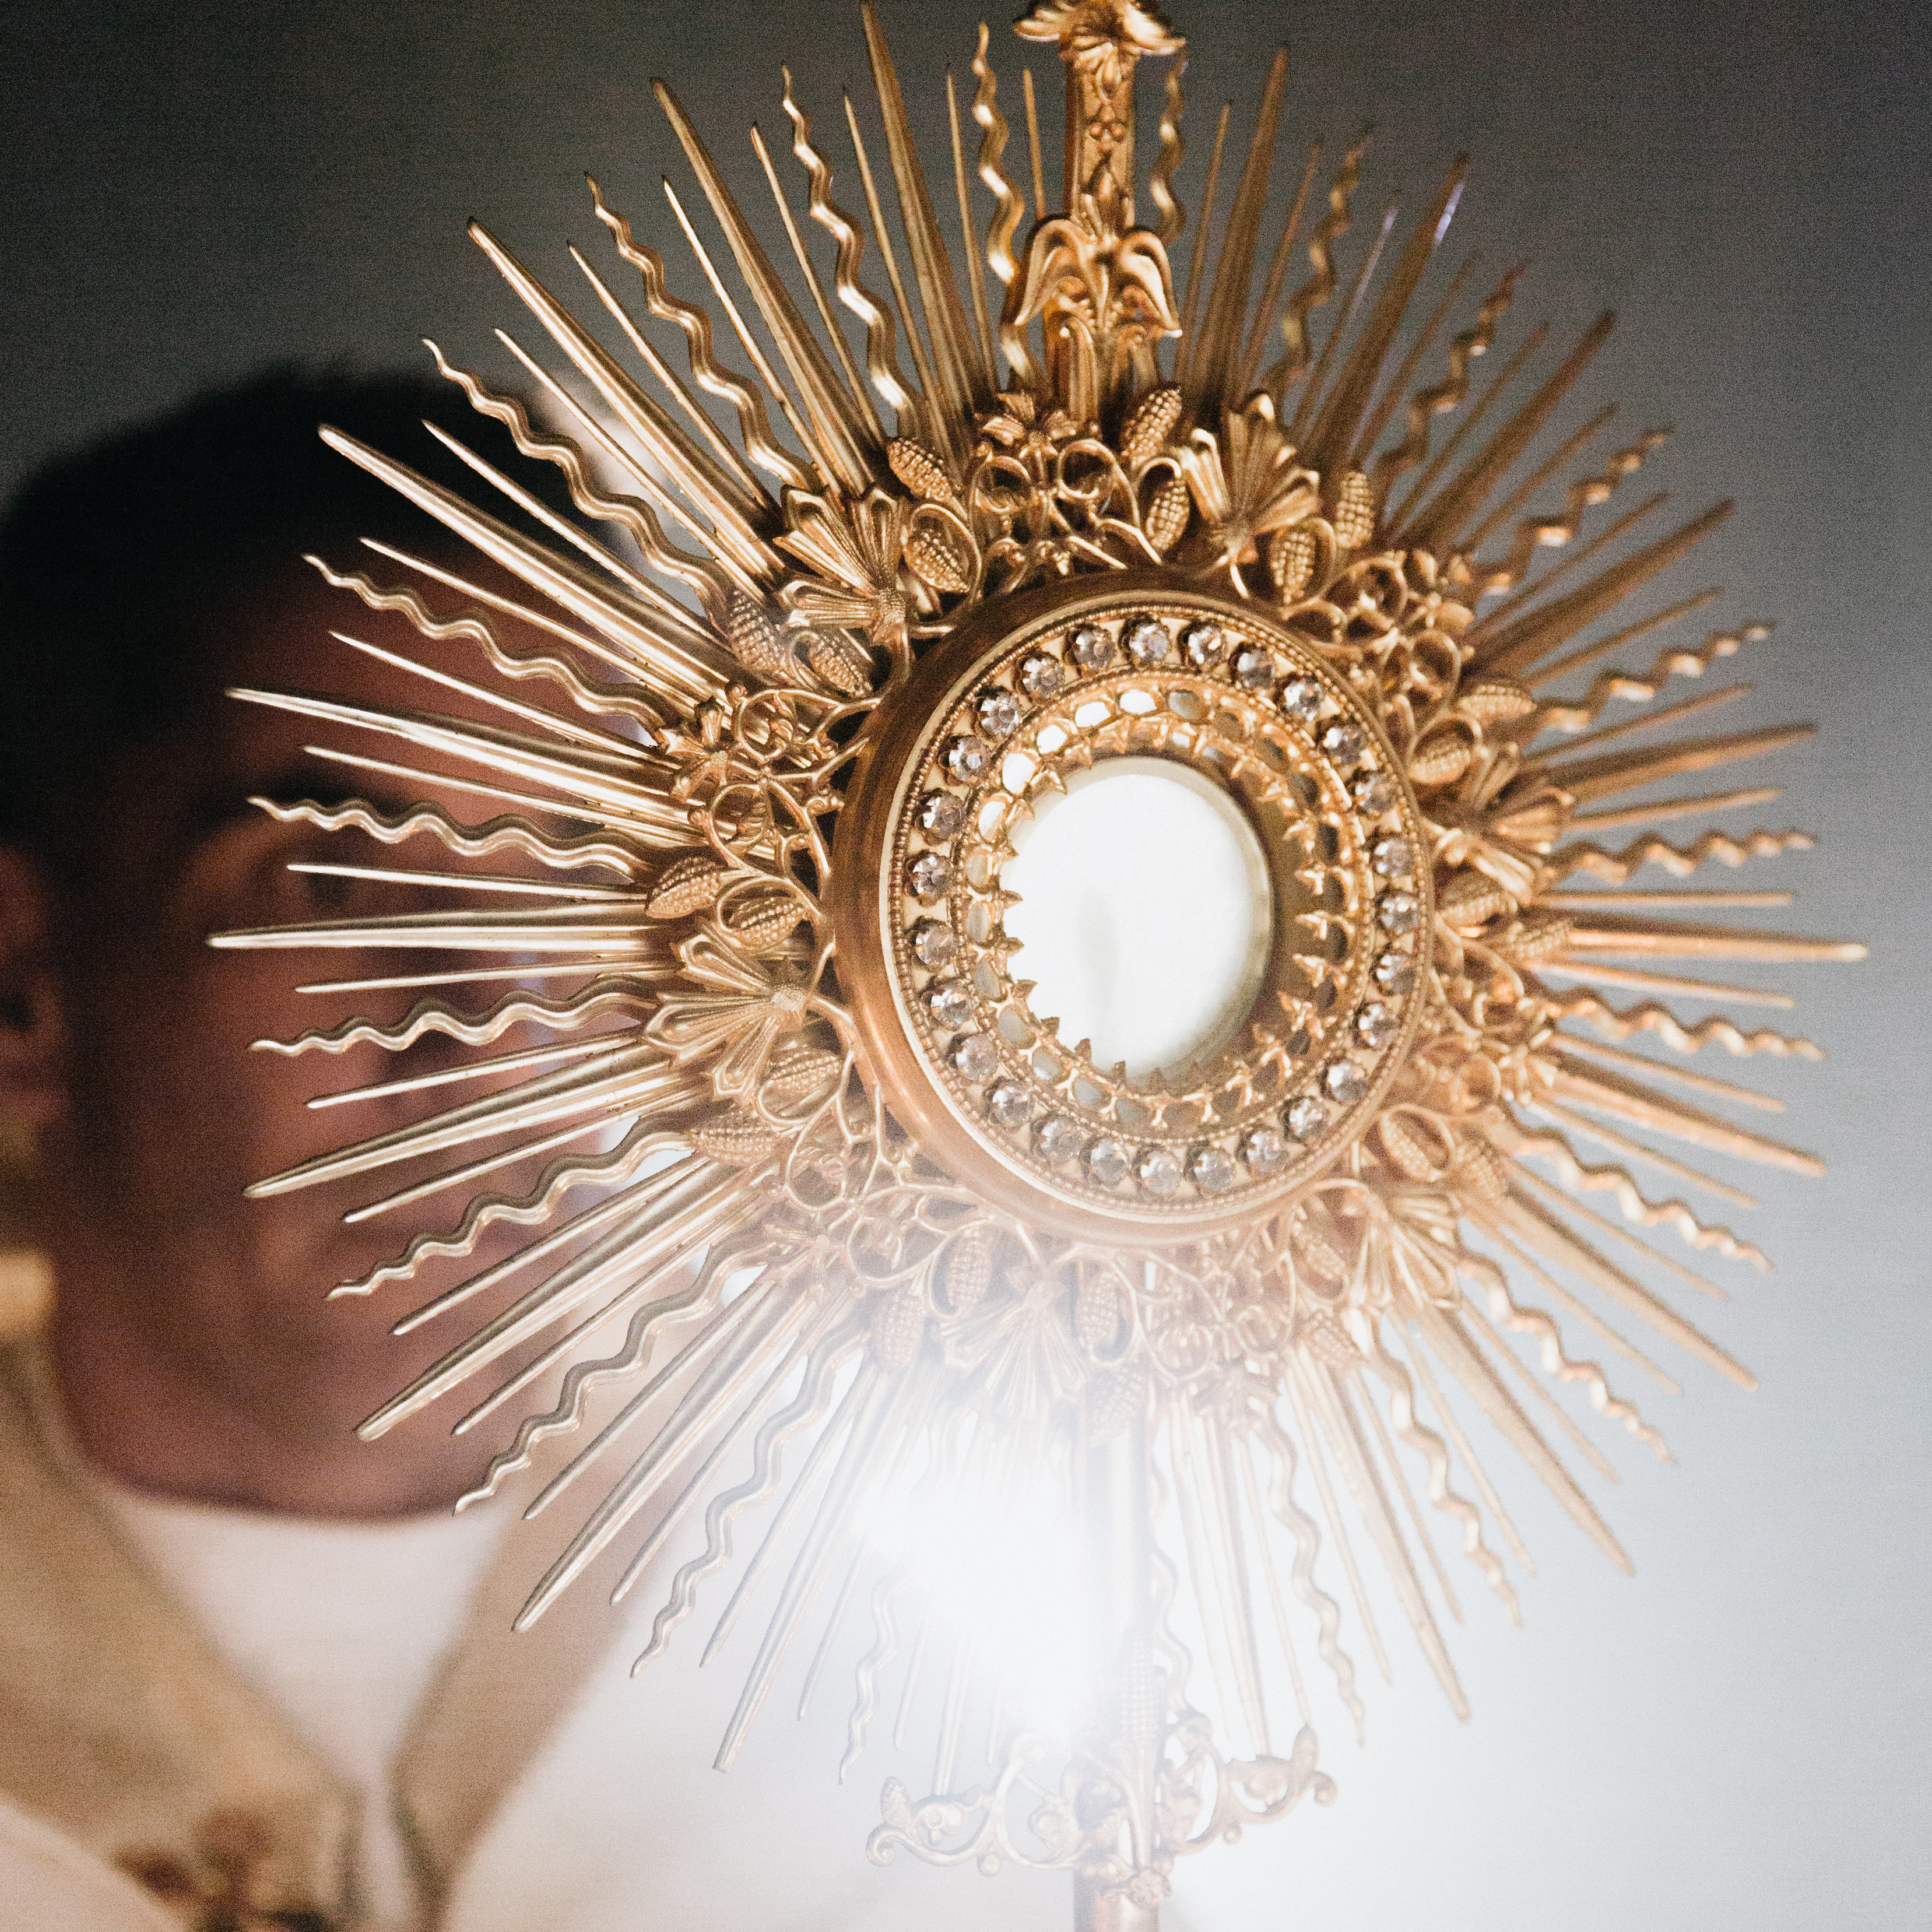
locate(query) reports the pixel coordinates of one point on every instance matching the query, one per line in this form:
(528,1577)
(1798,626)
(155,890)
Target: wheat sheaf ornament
(870,1255)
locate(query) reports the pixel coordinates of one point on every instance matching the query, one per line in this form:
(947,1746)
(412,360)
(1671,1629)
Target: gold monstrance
(860,1239)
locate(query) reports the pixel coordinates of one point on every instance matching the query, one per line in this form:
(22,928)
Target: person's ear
(33,1028)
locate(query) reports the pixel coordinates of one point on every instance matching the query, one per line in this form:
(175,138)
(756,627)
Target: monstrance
(823,1190)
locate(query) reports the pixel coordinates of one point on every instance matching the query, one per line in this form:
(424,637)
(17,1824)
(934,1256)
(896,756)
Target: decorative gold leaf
(689,884)
(1167,511)
(941,556)
(1472,898)
(968,1272)
(767,923)
(1496,699)
(1441,759)
(1097,1313)
(1115,1397)
(1322,1336)
(921,472)
(1537,823)
(798,1070)
(1292,557)
(1535,936)
(1354,514)
(1481,1171)
(898,1327)
(737,1139)
(838,661)
(756,641)
(1146,431)
(1409,1151)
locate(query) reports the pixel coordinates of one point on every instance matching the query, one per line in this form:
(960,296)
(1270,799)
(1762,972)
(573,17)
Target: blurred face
(168,1109)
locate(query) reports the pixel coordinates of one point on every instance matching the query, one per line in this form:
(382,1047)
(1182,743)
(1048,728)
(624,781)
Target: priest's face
(170,1085)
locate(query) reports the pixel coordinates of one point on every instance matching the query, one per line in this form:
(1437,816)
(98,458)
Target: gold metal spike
(796,1159)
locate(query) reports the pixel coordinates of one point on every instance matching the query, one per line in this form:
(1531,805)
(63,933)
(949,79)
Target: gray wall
(1736,1739)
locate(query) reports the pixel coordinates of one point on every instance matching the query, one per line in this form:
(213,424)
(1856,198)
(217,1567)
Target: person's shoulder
(50,1883)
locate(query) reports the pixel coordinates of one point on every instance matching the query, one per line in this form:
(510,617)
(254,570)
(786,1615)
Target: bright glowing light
(994,1548)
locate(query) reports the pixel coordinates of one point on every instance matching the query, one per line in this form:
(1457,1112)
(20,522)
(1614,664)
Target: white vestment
(175,1680)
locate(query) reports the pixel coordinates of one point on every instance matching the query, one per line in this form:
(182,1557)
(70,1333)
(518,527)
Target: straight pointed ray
(1439,399)
(1439,521)
(1587,778)
(1213,361)
(1589,1086)
(712,490)
(679,671)
(1197,257)
(1333,433)
(963,386)
(1515,647)
(837,429)
(1261,327)
(1314,391)
(881,368)
(855,387)
(1396,386)
(1395,520)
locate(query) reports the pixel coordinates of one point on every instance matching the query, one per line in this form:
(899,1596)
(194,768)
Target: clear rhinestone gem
(1158,1171)
(1398,912)
(1204,644)
(999,714)
(1376,1024)
(1345,1081)
(1301,697)
(1375,794)
(1042,674)
(1264,1151)
(1009,1104)
(1057,1137)
(940,815)
(1254,668)
(1090,647)
(975,1056)
(933,942)
(969,760)
(1106,1161)
(929,875)
(1344,744)
(1211,1169)
(949,1003)
(1149,641)
(1395,973)
(1393,858)
(1306,1118)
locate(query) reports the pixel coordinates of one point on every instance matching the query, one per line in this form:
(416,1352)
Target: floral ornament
(737,1024)
(1025,498)
(1108,36)
(853,548)
(1103,297)
(1247,484)
(1045,495)
(1102,41)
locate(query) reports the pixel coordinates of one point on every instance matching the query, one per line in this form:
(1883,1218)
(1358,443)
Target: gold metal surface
(770,1206)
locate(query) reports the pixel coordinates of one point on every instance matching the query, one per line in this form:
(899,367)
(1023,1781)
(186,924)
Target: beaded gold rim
(991,725)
